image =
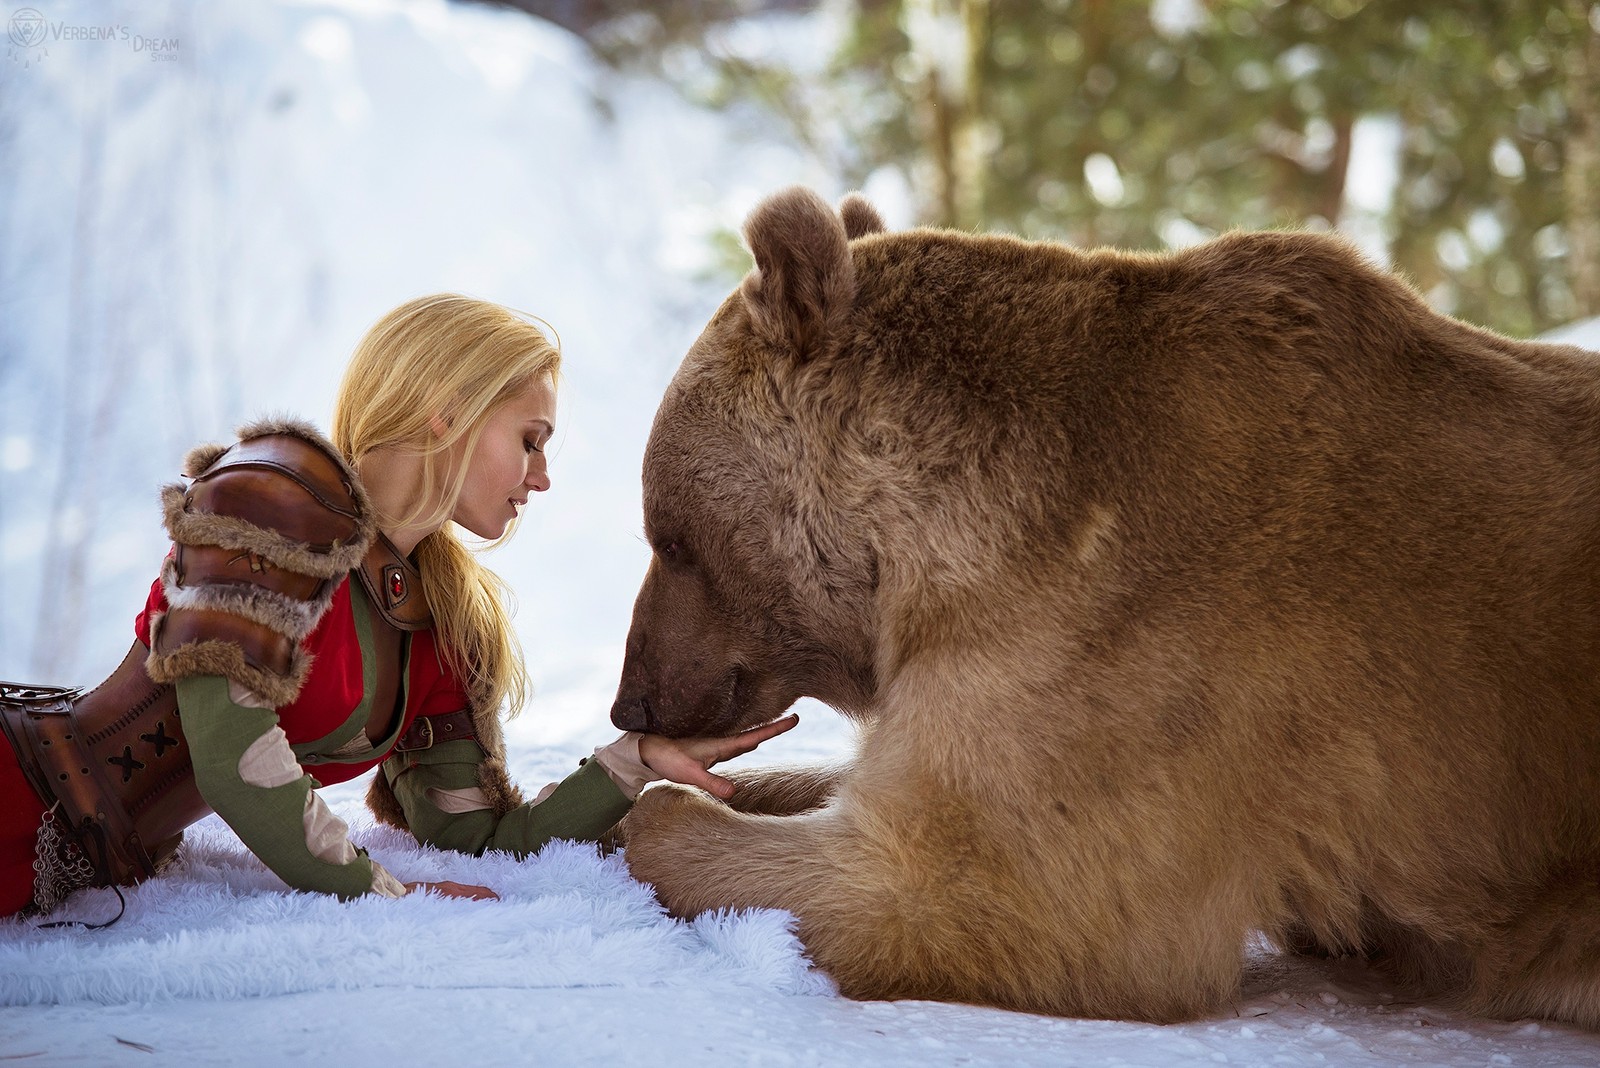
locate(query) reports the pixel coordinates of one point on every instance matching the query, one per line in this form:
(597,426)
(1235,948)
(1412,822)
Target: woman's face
(509,462)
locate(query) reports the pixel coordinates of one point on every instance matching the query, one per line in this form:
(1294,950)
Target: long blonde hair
(426,376)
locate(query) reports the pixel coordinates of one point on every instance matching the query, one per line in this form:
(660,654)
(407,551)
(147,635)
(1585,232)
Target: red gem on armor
(397,585)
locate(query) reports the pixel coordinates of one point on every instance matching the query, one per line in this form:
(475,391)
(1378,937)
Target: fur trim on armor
(493,777)
(382,803)
(226,659)
(502,793)
(299,428)
(285,615)
(201,457)
(229,532)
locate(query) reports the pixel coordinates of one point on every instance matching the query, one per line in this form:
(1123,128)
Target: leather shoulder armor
(262,532)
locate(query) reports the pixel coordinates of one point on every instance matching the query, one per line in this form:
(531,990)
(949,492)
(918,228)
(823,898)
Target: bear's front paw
(664,838)
(659,809)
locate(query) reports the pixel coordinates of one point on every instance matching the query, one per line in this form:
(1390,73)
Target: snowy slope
(205,234)
(208,238)
(1584,333)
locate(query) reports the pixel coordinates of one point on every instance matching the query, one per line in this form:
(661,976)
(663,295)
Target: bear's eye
(670,550)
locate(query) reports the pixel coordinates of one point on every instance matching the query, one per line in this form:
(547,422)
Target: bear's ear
(804,283)
(860,217)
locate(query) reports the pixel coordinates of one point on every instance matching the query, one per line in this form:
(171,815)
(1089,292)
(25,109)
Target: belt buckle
(39,698)
(418,736)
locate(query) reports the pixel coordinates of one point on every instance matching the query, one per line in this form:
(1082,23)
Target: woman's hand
(449,889)
(687,760)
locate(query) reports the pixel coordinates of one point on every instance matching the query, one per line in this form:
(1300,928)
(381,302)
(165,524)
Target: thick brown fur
(382,803)
(225,658)
(1180,596)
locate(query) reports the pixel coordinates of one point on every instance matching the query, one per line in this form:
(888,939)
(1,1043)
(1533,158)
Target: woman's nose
(538,478)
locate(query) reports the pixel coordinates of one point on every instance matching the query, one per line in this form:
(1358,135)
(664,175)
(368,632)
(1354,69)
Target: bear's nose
(631,713)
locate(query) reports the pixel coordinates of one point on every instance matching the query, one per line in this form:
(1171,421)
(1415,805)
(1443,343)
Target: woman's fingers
(688,760)
(775,728)
(745,741)
(446,888)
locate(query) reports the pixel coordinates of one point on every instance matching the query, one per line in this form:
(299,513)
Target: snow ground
(297,170)
(216,963)
(691,1027)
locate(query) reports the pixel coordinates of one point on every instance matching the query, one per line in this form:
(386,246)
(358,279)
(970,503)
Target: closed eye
(670,550)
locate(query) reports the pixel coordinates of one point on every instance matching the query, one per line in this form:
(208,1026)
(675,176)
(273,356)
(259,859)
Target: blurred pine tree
(1149,123)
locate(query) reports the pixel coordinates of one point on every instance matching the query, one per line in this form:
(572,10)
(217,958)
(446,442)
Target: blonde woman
(319,616)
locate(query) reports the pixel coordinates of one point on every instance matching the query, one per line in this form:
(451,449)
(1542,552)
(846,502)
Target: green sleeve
(584,806)
(270,820)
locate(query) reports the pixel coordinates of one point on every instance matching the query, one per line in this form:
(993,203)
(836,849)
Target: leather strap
(17,702)
(212,565)
(395,587)
(427,731)
(387,653)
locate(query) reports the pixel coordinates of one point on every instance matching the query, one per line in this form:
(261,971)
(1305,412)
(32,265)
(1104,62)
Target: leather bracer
(262,534)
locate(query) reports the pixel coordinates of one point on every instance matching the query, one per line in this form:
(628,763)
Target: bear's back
(1257,338)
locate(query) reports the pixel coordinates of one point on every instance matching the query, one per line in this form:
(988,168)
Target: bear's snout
(631,713)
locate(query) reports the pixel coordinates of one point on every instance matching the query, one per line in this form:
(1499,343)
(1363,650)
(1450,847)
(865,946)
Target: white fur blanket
(219,926)
(182,978)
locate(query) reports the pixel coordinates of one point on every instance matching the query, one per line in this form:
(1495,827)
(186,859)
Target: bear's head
(761,585)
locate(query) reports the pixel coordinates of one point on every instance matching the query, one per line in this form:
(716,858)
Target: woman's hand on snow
(449,889)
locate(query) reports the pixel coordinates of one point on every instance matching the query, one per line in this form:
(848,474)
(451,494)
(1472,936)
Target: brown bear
(1177,596)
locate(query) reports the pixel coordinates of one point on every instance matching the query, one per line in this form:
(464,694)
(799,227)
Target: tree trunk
(940,126)
(1581,175)
(65,566)
(1330,191)
(971,152)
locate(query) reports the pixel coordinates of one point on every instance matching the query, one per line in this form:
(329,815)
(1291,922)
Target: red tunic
(333,688)
(20,812)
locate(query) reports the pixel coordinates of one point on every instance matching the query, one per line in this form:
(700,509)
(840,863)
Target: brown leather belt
(114,760)
(427,731)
